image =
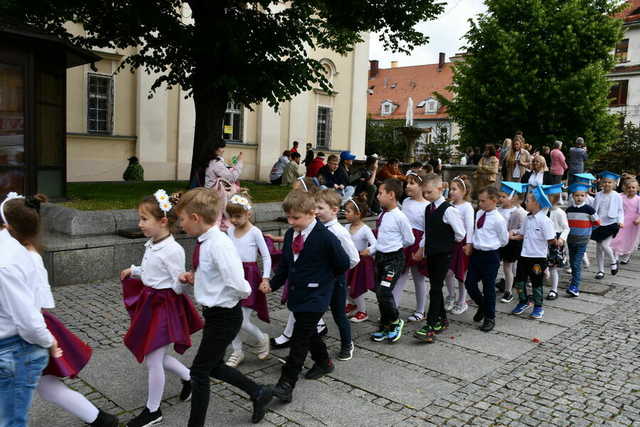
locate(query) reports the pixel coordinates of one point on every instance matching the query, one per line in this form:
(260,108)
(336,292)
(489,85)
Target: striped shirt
(581,220)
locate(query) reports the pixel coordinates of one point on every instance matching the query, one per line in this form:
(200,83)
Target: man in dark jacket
(308,158)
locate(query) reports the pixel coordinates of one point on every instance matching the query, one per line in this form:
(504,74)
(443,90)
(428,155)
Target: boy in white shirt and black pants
(489,236)
(394,233)
(443,227)
(219,286)
(537,233)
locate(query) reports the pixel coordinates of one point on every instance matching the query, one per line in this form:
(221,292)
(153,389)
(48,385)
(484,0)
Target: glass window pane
(11,120)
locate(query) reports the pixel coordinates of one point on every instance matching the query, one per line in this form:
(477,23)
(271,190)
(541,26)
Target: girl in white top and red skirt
(360,278)
(248,240)
(160,313)
(21,215)
(414,208)
(459,196)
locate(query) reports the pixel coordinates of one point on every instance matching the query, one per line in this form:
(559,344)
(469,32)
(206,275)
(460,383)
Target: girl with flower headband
(459,195)
(21,216)
(248,240)
(160,313)
(414,208)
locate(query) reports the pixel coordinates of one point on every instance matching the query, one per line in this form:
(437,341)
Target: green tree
(624,155)
(247,51)
(537,66)
(384,139)
(440,147)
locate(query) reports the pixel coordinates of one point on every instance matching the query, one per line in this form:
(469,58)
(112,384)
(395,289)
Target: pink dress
(628,237)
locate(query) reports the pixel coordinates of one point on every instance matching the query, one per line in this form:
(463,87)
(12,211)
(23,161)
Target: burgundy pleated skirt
(362,277)
(410,250)
(257,301)
(76,353)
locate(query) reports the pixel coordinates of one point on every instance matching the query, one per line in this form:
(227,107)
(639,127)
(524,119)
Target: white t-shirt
(415,212)
(363,238)
(537,231)
(249,245)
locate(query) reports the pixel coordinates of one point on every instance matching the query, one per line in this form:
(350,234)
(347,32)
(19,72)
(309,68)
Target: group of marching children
(322,265)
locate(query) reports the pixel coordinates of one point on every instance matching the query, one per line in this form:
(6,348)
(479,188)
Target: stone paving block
(219,413)
(575,304)
(83,265)
(403,385)
(492,343)
(447,360)
(524,327)
(41,411)
(552,315)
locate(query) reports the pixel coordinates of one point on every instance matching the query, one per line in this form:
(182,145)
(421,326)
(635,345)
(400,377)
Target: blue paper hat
(541,198)
(579,186)
(511,188)
(584,176)
(609,175)
(552,189)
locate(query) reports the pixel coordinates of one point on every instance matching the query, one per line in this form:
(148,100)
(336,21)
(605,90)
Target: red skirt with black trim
(410,250)
(159,317)
(75,352)
(459,261)
(257,301)
(362,277)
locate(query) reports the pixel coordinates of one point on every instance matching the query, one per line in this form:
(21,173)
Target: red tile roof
(418,82)
(631,13)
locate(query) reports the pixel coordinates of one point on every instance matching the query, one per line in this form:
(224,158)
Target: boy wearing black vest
(443,227)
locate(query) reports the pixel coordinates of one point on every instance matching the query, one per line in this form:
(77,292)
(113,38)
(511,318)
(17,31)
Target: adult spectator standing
(558,164)
(278,168)
(308,157)
(539,173)
(316,165)
(517,161)
(577,156)
(294,149)
(220,173)
(487,170)
(293,170)
(391,170)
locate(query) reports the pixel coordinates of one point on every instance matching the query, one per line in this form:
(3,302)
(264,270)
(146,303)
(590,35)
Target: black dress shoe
(319,371)
(479,315)
(105,419)
(285,344)
(487,325)
(283,391)
(500,285)
(260,402)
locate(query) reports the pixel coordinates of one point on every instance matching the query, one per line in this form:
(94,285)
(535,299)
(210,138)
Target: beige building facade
(110,118)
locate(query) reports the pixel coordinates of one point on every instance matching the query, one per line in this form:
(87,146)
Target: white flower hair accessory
(10,196)
(242,201)
(163,201)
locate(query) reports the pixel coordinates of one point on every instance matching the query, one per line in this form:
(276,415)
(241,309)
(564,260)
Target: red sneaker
(360,316)
(351,309)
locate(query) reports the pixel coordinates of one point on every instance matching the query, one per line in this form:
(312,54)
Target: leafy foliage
(384,138)
(537,66)
(440,147)
(624,155)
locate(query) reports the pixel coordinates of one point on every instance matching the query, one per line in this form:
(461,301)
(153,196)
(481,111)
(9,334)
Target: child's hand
(419,255)
(467,249)
(364,252)
(559,242)
(264,287)
(621,225)
(637,221)
(186,277)
(125,273)
(55,351)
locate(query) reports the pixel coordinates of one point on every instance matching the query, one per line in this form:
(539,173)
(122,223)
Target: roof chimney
(394,64)
(373,68)
(441,61)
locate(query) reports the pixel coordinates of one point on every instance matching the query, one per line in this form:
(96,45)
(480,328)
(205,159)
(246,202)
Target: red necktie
(481,219)
(298,244)
(379,220)
(195,260)
(432,208)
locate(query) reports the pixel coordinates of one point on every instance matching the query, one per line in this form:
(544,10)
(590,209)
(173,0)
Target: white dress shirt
(19,314)
(560,223)
(363,238)
(249,245)
(506,212)
(467,214)
(394,232)
(219,278)
(414,211)
(537,231)
(609,208)
(44,297)
(345,240)
(162,264)
(536,178)
(453,218)
(493,234)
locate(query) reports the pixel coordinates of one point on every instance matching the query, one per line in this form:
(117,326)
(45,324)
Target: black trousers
(304,339)
(389,267)
(438,265)
(221,325)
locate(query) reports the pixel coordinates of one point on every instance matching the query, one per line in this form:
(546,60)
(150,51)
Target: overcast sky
(445,35)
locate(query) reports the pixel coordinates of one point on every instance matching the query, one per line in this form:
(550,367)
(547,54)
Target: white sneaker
(235,359)
(264,347)
(459,308)
(586,262)
(448,305)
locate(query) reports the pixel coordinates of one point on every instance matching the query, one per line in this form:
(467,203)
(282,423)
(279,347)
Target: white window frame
(234,109)
(326,143)
(386,109)
(428,106)
(110,103)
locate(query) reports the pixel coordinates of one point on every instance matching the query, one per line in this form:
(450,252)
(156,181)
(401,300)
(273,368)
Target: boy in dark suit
(312,258)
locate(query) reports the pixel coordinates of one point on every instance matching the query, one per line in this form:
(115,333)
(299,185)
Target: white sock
(462,293)
(361,303)
(288,330)
(555,278)
(585,259)
(399,287)
(508,269)
(600,256)
(451,282)
(608,252)
(421,289)
(53,390)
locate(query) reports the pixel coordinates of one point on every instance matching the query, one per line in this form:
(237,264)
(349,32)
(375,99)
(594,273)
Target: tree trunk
(210,108)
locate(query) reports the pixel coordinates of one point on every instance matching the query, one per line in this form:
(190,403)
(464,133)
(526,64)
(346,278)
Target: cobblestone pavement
(578,366)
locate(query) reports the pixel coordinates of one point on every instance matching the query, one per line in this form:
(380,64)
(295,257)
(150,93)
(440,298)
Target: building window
(387,108)
(323,131)
(233,121)
(618,93)
(100,104)
(431,106)
(621,51)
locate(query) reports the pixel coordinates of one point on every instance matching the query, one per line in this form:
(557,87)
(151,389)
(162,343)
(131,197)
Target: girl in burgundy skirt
(160,313)
(23,222)
(248,240)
